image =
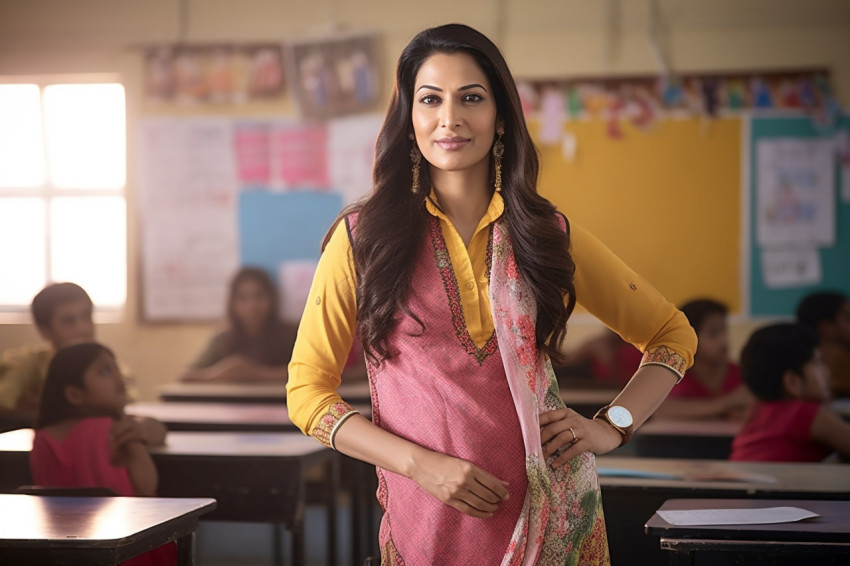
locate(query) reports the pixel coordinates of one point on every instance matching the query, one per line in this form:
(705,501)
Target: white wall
(540,38)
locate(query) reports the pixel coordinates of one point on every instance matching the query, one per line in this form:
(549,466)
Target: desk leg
(298,544)
(186,550)
(277,545)
(354,481)
(333,535)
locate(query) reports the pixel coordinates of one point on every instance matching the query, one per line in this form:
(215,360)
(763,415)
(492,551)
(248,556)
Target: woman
(459,280)
(256,345)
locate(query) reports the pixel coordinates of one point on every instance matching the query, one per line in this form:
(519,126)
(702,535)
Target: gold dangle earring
(498,152)
(415,160)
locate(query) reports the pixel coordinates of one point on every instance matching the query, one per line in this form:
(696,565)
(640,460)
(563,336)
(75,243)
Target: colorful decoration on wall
(335,75)
(644,100)
(213,74)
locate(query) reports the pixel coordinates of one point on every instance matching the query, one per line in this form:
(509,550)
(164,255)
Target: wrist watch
(620,420)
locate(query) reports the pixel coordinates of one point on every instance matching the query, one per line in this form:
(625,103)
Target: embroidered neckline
(444,264)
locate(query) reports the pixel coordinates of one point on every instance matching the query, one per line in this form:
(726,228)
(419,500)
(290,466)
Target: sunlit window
(63,213)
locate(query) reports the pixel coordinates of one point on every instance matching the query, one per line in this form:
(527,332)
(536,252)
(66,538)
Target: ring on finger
(575,438)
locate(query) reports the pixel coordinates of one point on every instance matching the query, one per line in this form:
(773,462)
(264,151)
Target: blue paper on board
(277,227)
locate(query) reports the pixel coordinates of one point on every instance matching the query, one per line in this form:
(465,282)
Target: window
(62,175)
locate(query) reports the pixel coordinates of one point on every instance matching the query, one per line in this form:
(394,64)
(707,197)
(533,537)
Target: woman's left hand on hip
(567,431)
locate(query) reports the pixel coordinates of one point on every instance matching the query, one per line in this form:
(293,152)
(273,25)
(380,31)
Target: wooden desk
(354,392)
(587,401)
(821,540)
(629,501)
(842,407)
(221,417)
(256,477)
(667,438)
(37,529)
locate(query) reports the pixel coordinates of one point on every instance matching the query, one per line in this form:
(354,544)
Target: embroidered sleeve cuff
(664,356)
(336,414)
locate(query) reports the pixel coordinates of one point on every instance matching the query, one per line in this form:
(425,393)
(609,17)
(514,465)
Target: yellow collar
(494,209)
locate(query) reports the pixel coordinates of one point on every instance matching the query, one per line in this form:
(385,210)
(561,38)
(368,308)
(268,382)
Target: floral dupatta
(561,520)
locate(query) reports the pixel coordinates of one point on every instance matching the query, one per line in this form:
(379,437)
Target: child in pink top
(84,439)
(712,388)
(791,421)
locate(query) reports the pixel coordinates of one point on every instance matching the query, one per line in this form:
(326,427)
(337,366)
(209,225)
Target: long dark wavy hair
(68,366)
(392,220)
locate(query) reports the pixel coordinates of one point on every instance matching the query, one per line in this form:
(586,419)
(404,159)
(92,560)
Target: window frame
(47,192)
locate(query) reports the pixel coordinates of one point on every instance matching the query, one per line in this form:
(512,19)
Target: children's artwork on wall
(336,75)
(795,201)
(213,74)
(642,100)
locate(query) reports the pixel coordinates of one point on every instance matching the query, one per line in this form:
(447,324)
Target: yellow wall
(540,38)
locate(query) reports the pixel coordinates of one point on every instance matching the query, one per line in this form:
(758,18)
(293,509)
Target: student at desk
(829,315)
(712,388)
(257,345)
(62,313)
(84,439)
(791,421)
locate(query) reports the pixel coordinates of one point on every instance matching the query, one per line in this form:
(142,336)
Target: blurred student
(829,315)
(610,359)
(791,421)
(712,388)
(62,313)
(257,345)
(84,439)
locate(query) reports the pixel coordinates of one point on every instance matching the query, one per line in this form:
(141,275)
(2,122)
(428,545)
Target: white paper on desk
(768,515)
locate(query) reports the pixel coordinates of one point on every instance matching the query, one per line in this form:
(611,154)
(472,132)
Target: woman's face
(103,390)
(251,305)
(454,113)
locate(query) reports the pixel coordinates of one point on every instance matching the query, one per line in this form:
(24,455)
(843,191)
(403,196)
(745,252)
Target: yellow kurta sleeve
(629,305)
(324,339)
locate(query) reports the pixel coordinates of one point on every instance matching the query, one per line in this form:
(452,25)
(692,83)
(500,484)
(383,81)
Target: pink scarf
(561,520)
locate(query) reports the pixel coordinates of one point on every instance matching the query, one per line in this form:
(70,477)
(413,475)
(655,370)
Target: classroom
(182,161)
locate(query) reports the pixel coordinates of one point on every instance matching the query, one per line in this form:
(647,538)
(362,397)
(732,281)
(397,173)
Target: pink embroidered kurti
(474,397)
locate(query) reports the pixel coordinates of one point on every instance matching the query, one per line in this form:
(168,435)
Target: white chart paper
(187,192)
(795,197)
(785,268)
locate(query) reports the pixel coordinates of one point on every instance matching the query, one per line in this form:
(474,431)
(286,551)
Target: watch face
(620,416)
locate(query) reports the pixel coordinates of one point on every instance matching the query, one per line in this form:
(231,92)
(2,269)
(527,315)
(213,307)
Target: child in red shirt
(84,439)
(712,388)
(791,421)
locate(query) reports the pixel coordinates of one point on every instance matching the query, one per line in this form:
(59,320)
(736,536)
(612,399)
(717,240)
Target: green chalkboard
(765,300)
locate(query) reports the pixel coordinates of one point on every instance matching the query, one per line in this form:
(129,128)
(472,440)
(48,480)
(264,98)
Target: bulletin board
(833,261)
(667,200)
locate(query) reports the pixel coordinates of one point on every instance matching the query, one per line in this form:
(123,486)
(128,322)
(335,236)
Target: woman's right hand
(459,483)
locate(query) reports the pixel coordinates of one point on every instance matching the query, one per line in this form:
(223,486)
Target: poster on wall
(213,74)
(795,192)
(187,195)
(336,75)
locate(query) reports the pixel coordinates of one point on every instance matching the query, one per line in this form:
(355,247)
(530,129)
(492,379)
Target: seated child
(790,422)
(712,388)
(84,439)
(62,313)
(611,360)
(829,315)
(257,345)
